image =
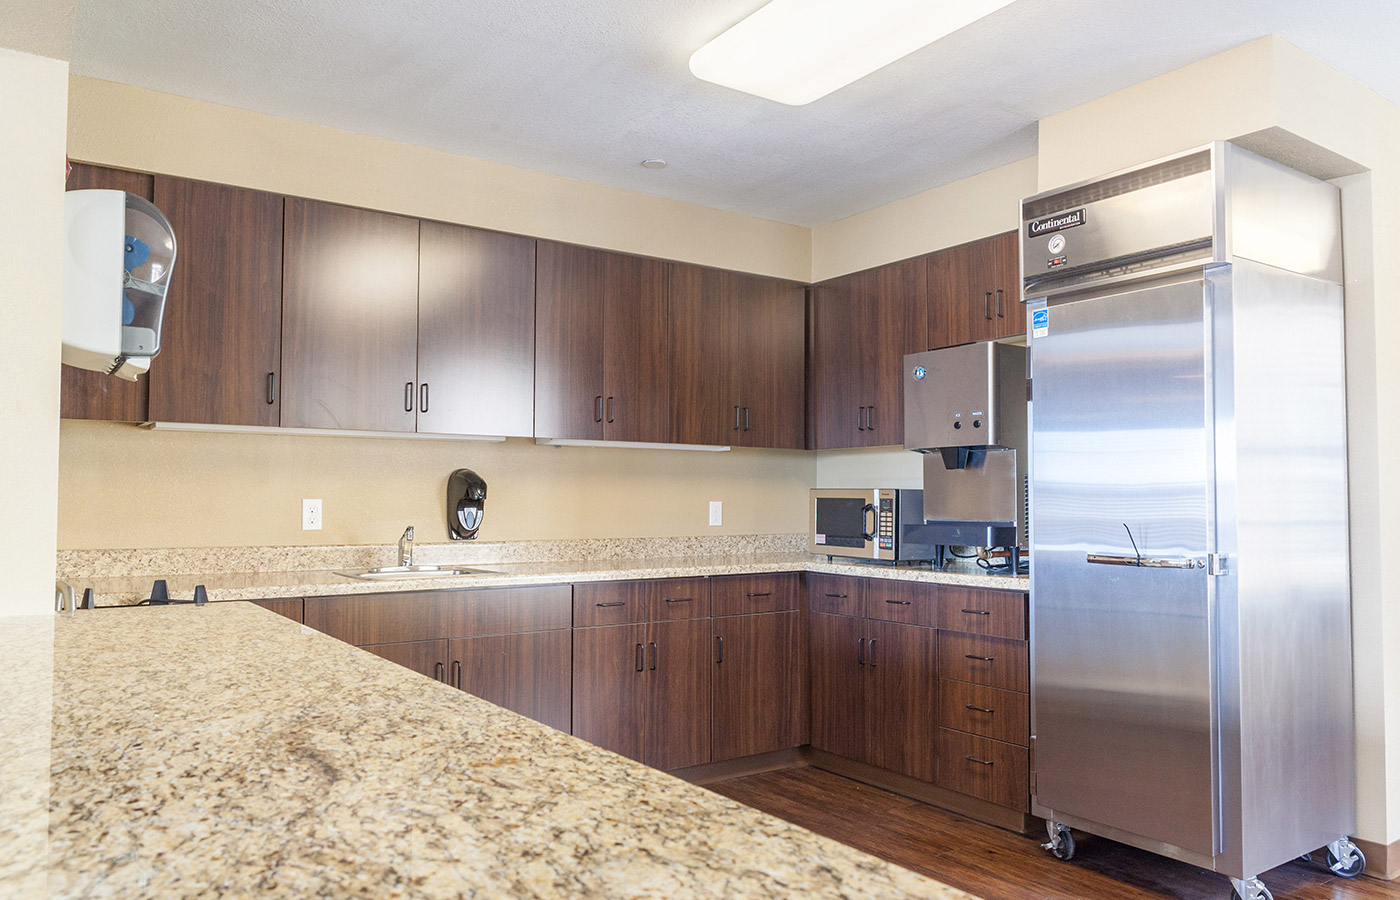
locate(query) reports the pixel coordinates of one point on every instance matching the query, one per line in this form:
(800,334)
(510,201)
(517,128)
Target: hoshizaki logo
(1057,222)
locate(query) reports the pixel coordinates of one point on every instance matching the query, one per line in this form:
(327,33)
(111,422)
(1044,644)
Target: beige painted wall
(123,486)
(120,125)
(33,103)
(1269,86)
(965,210)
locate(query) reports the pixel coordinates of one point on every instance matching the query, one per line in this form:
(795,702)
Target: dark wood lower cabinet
(901,706)
(992,770)
(758,688)
(609,668)
(525,673)
(676,725)
(290,607)
(425,657)
(837,658)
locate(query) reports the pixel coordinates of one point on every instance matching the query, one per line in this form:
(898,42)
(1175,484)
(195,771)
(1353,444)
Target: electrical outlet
(716,512)
(310,515)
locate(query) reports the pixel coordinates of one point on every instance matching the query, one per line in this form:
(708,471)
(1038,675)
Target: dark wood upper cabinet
(974,292)
(221,344)
(863,326)
(476,331)
(738,345)
(349,318)
(600,344)
(92,395)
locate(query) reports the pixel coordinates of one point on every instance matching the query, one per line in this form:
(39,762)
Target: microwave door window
(842,520)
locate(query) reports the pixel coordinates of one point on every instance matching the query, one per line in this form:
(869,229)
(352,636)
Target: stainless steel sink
(384,573)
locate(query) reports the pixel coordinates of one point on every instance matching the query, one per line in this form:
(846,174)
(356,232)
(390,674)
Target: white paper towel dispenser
(118,253)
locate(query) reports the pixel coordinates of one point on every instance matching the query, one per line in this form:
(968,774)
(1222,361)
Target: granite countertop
(226,751)
(263,585)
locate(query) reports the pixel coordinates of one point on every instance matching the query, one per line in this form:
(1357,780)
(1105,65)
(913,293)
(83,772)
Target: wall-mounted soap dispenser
(466,502)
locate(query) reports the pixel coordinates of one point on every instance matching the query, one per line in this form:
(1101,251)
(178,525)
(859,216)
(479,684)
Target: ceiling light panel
(796,51)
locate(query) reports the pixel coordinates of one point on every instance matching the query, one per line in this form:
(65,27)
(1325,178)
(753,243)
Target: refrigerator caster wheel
(1061,843)
(1345,858)
(1249,889)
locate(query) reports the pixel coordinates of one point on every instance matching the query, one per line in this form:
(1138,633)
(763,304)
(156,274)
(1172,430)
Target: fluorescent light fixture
(795,51)
(633,445)
(316,432)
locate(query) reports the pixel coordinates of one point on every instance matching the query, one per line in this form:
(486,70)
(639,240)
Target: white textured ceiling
(589,89)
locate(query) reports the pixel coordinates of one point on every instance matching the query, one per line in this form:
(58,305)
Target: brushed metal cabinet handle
(610,410)
(423,397)
(1000,292)
(457,673)
(981,709)
(679,599)
(839,596)
(987,306)
(860,419)
(763,594)
(655,655)
(899,602)
(439,672)
(870,418)
(977,612)
(870,652)
(612,603)
(408,396)
(271,388)
(719,649)
(746,418)
(598,408)
(980,762)
(640,660)
(860,652)
(978,658)
(736,418)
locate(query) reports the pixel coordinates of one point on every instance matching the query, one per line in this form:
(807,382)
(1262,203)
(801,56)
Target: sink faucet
(406,547)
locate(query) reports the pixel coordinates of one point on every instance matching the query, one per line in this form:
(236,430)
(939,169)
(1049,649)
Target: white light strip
(315,432)
(795,51)
(630,445)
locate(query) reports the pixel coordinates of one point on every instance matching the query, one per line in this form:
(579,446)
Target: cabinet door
(898,324)
(221,344)
(349,318)
(636,393)
(476,331)
(902,704)
(676,730)
(569,292)
(1006,285)
(836,656)
(527,673)
(962,295)
(92,395)
(425,657)
(756,691)
(705,407)
(837,402)
(610,675)
(767,320)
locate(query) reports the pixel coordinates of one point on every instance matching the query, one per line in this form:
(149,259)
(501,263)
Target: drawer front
(839,595)
(996,662)
(677,598)
(997,613)
(910,602)
(736,595)
(377,618)
(610,603)
(986,711)
(996,772)
(512,610)
(291,608)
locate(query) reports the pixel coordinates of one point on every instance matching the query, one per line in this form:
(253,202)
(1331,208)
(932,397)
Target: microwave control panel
(885,526)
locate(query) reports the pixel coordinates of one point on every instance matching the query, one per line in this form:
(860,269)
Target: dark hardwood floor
(999,865)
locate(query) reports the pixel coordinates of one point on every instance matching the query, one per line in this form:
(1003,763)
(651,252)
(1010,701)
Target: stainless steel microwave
(868,523)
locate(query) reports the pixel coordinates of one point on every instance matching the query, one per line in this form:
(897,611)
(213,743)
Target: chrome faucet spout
(406,547)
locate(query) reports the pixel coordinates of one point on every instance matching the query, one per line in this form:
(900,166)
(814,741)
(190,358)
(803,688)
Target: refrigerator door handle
(1147,562)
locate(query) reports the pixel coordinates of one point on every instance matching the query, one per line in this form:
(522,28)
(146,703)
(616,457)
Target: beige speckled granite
(225,751)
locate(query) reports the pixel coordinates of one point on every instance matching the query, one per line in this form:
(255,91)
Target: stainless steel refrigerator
(1190,598)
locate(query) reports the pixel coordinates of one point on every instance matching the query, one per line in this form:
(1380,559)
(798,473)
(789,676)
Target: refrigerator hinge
(1217,564)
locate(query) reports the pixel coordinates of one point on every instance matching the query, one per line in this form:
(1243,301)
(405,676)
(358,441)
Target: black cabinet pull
(981,709)
(423,397)
(655,655)
(612,603)
(899,602)
(610,409)
(408,396)
(598,408)
(870,652)
(870,418)
(977,612)
(736,418)
(439,672)
(640,664)
(764,594)
(271,388)
(978,658)
(839,596)
(746,418)
(860,652)
(457,674)
(679,599)
(999,312)
(987,306)
(860,419)
(719,649)
(980,762)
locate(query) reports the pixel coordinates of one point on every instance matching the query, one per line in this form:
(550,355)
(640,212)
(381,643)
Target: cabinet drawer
(902,601)
(735,595)
(997,662)
(291,608)
(997,613)
(678,598)
(377,618)
(839,595)
(998,773)
(513,610)
(610,603)
(986,711)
